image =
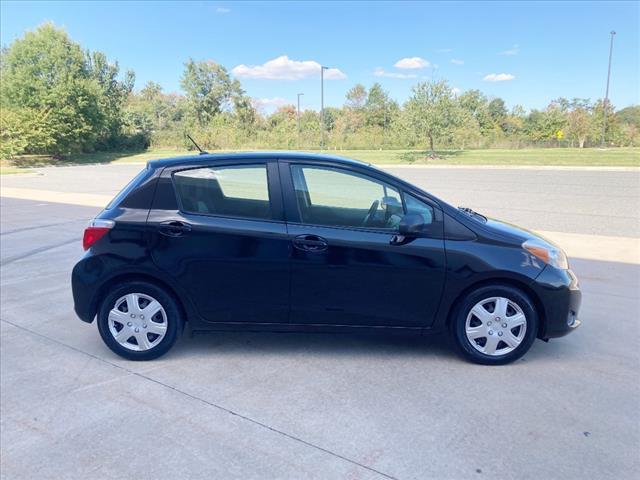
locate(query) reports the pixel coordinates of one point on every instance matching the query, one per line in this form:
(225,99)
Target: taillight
(96,229)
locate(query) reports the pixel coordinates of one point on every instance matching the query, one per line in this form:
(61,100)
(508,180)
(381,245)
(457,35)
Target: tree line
(57,98)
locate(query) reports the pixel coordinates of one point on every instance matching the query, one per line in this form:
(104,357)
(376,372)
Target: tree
(46,77)
(477,105)
(209,89)
(545,125)
(497,111)
(628,120)
(23,128)
(379,107)
(629,115)
(467,130)
(432,111)
(45,74)
(356,98)
(579,125)
(112,94)
(354,106)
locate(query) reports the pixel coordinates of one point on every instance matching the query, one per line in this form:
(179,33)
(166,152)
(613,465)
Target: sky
(524,52)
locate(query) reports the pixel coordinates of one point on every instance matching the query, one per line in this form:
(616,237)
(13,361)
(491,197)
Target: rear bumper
(83,291)
(561,298)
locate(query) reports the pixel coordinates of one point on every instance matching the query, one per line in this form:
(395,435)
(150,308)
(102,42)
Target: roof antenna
(202,152)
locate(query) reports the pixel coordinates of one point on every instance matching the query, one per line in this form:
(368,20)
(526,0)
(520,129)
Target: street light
(299,130)
(322,69)
(606,95)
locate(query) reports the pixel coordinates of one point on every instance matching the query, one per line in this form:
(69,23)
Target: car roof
(208,157)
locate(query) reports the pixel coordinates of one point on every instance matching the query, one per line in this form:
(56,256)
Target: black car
(303,242)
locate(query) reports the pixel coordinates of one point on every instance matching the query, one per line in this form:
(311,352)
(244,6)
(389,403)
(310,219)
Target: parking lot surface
(244,405)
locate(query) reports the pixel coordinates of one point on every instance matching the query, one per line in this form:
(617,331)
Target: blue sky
(526,53)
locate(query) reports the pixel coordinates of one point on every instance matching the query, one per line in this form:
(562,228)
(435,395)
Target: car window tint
(417,206)
(135,181)
(236,191)
(334,197)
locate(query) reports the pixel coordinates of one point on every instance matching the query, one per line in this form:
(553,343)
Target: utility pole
(299,129)
(322,69)
(606,94)
(384,130)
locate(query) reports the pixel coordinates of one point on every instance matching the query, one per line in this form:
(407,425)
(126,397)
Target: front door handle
(174,228)
(310,243)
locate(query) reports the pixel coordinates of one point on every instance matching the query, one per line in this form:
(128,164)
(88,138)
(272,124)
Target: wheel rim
(496,326)
(137,322)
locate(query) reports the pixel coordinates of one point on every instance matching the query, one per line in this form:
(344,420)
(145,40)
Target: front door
(345,268)
(225,242)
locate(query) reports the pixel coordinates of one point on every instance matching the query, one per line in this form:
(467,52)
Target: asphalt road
(240,405)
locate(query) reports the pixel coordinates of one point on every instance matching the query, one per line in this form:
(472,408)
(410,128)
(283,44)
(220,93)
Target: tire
(481,332)
(151,336)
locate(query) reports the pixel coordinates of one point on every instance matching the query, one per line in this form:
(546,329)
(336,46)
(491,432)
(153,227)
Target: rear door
(346,269)
(218,230)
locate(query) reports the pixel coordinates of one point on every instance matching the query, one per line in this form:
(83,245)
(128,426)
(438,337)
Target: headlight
(547,253)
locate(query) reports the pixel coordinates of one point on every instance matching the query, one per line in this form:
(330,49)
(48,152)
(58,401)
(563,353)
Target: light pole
(299,130)
(322,69)
(384,129)
(606,94)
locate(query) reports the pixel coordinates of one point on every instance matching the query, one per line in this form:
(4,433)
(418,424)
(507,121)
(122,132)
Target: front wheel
(495,325)
(139,320)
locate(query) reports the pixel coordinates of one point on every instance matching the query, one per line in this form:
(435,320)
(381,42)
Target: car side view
(305,242)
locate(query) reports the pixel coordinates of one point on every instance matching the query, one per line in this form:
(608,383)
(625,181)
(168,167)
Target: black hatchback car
(295,241)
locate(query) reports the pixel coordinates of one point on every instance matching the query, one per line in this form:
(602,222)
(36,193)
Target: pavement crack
(206,402)
(35,251)
(36,227)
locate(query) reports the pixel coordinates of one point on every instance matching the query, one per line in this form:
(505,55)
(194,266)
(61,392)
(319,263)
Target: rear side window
(135,181)
(235,191)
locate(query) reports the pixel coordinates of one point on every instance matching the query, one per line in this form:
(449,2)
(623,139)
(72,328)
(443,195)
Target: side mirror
(411,225)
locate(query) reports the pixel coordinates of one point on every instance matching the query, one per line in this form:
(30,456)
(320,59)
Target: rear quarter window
(135,182)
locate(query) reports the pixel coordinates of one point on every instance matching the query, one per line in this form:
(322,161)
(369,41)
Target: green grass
(550,156)
(12,170)
(627,157)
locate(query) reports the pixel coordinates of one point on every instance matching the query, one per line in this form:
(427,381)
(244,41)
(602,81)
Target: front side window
(417,206)
(337,198)
(236,191)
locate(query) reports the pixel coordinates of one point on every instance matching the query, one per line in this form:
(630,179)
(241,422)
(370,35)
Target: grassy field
(626,157)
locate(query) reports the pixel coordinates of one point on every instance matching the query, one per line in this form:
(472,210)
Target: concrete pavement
(240,405)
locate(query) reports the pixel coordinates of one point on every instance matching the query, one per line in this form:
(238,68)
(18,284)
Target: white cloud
(283,68)
(274,102)
(457,61)
(411,63)
(380,72)
(269,104)
(455,90)
(499,77)
(512,51)
(222,10)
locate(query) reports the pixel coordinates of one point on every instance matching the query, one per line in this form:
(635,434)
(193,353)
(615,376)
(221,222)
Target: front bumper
(560,296)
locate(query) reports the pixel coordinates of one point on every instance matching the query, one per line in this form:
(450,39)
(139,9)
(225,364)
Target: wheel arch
(498,282)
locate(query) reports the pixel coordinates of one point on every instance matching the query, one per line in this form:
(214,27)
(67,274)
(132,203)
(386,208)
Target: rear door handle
(174,228)
(310,243)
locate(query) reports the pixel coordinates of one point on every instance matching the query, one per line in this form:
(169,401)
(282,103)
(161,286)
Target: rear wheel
(139,320)
(495,325)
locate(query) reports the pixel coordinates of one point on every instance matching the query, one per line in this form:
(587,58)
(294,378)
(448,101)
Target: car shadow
(330,344)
